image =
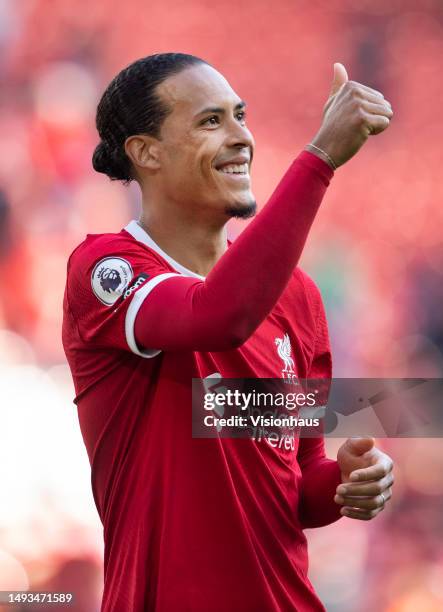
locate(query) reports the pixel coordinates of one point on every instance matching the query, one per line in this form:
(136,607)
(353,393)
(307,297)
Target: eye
(212,120)
(241,115)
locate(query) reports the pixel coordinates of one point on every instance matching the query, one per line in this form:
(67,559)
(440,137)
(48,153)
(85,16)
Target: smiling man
(198,525)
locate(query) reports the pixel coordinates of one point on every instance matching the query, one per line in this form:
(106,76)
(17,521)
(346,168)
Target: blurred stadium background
(376,251)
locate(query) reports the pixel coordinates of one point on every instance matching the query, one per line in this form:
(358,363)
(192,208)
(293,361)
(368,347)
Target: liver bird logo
(284,350)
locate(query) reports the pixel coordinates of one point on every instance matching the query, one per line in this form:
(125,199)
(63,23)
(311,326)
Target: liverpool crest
(284,351)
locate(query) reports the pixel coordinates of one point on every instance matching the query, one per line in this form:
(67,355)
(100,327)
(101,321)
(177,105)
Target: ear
(143,151)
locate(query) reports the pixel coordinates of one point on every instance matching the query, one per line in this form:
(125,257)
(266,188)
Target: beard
(242,211)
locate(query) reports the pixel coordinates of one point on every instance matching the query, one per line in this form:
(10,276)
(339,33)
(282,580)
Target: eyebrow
(218,109)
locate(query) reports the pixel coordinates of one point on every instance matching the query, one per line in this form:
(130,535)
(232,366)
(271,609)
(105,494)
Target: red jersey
(191,525)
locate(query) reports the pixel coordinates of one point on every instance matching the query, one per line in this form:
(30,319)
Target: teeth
(235,169)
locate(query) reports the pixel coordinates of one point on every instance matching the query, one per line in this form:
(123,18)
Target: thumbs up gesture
(340,78)
(352,113)
(367,478)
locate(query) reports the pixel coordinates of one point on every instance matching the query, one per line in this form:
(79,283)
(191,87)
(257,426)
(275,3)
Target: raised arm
(222,311)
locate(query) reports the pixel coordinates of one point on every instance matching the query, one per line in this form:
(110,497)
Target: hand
(351,114)
(366,474)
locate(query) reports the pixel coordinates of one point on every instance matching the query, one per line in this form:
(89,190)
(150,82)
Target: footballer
(207,525)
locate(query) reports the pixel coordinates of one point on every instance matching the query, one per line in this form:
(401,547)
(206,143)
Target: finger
(360,445)
(339,79)
(361,515)
(387,495)
(369,489)
(377,109)
(363,503)
(375,124)
(367,89)
(376,99)
(374,472)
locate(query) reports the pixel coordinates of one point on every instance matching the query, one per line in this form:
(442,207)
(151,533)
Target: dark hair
(131,106)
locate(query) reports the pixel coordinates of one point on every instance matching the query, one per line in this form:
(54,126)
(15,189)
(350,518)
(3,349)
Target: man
(199,525)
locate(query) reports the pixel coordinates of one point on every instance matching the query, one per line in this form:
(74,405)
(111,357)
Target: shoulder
(95,246)
(306,283)
(105,248)
(304,298)
(103,265)
(316,306)
(301,301)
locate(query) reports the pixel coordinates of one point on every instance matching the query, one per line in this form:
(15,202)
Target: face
(205,149)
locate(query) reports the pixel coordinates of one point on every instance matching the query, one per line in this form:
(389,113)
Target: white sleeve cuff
(137,300)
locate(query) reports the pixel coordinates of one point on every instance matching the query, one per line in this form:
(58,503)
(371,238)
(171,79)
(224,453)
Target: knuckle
(375,92)
(360,117)
(365,105)
(378,488)
(355,105)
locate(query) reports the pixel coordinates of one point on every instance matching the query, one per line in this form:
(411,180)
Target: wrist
(319,152)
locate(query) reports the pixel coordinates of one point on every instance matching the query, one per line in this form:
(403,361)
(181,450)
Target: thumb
(340,78)
(359,446)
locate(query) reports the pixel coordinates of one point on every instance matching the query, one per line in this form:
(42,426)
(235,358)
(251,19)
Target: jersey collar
(142,235)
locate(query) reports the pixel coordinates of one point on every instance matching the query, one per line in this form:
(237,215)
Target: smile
(235,169)
(236,172)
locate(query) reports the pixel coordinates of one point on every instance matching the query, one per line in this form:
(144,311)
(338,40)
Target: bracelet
(331,161)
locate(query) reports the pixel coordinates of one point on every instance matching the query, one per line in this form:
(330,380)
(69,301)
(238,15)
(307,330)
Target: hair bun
(100,158)
(105,160)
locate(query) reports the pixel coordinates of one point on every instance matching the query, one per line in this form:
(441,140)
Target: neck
(195,245)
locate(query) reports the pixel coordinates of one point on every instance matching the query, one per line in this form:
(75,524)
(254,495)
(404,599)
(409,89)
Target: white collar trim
(142,235)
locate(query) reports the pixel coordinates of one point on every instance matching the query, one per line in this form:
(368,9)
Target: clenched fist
(367,478)
(352,113)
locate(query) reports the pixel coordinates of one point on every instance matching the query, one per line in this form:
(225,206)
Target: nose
(239,136)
